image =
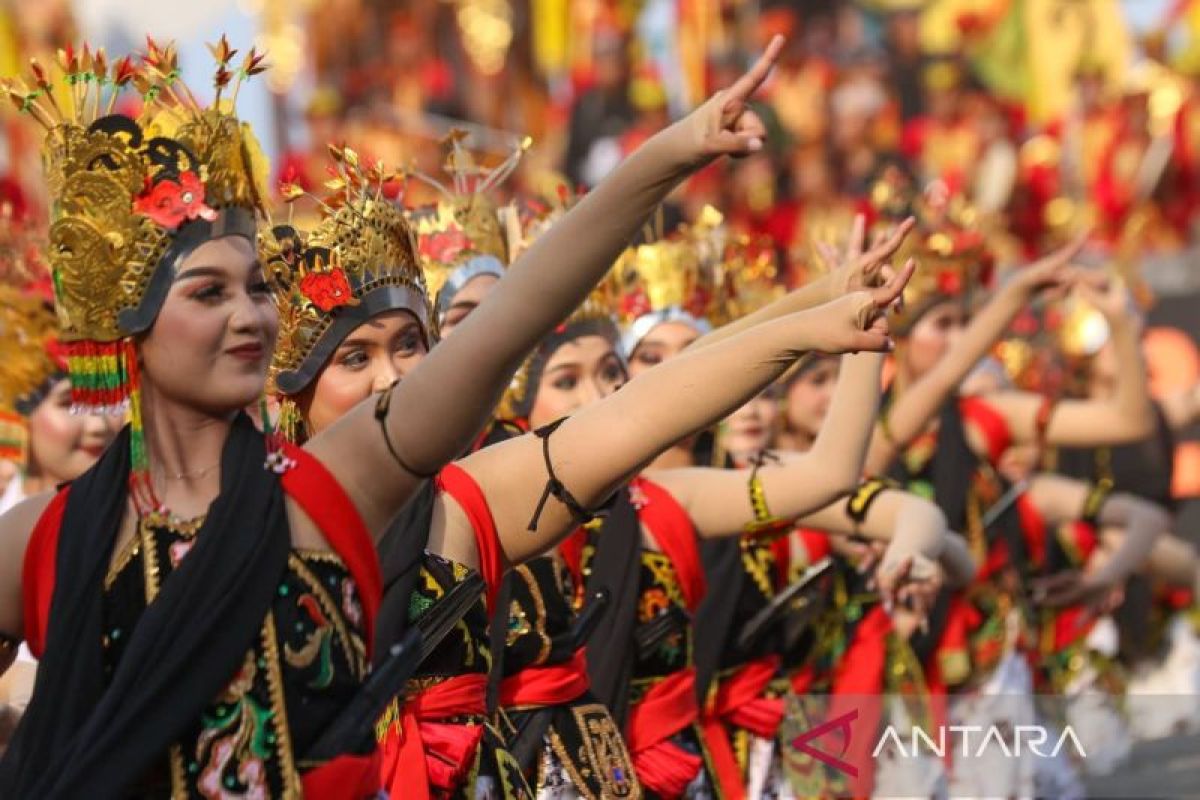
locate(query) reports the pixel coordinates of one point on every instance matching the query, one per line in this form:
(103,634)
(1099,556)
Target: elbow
(1156,520)
(925,524)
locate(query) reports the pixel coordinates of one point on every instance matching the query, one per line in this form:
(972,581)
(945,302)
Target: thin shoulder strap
(458,483)
(322,498)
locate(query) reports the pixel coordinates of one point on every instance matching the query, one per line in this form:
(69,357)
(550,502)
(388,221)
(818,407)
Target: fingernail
(754,145)
(889,345)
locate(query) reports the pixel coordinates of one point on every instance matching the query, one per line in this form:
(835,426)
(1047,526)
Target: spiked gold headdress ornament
(465,235)
(953,259)
(359,261)
(673,279)
(30,356)
(131,199)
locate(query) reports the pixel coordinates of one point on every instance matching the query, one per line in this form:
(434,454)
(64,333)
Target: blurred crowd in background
(1044,116)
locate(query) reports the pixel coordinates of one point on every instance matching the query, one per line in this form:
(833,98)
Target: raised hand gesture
(858,268)
(1055,273)
(857,321)
(725,125)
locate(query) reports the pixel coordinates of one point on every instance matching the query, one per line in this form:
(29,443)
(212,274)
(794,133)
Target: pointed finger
(891,291)
(858,236)
(1072,248)
(745,87)
(827,253)
(886,244)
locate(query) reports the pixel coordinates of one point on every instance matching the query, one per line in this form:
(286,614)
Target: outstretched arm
(913,409)
(916,533)
(718,500)
(440,406)
(854,270)
(1062,500)
(594,451)
(1125,417)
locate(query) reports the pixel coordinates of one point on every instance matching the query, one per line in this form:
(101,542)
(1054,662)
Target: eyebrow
(563,366)
(202,272)
(211,271)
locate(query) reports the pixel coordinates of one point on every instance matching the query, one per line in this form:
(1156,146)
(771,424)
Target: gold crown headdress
(673,279)
(953,258)
(359,261)
(30,357)
(131,199)
(596,315)
(751,275)
(464,235)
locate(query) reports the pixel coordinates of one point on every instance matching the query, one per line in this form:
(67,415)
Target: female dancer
(974,640)
(47,443)
(478,513)
(166,311)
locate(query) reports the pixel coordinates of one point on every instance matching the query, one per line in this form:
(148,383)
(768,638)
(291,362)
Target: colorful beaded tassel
(105,380)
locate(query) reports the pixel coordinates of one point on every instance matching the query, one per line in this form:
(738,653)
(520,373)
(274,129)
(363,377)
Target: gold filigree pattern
(108,172)
(465,223)
(362,243)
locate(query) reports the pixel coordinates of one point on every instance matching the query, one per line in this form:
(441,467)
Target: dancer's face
(749,430)
(374,356)
(931,338)
(808,397)
(62,445)
(466,300)
(663,341)
(579,372)
(211,343)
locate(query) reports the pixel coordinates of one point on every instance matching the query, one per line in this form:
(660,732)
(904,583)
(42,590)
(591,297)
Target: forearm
(1143,523)
(1174,561)
(808,296)
(463,377)
(1132,397)
(910,524)
(841,444)
(913,409)
(956,562)
(605,443)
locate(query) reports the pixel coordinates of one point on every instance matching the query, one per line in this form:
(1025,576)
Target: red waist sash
(739,702)
(348,777)
(556,684)
(417,750)
(662,766)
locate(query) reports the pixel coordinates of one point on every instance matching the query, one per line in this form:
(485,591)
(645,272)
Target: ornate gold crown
(463,235)
(132,197)
(953,259)
(751,277)
(595,315)
(359,261)
(30,358)
(674,279)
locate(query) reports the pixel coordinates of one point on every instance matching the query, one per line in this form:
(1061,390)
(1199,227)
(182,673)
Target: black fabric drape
(616,568)
(83,738)
(723,570)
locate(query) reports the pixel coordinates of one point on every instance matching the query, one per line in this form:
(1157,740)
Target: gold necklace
(200,473)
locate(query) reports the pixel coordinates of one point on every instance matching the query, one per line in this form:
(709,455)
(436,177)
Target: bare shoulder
(17,524)
(16,528)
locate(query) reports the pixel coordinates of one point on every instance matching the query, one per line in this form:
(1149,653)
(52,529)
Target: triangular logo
(804,742)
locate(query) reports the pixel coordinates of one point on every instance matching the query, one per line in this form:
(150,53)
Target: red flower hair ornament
(328,290)
(171,203)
